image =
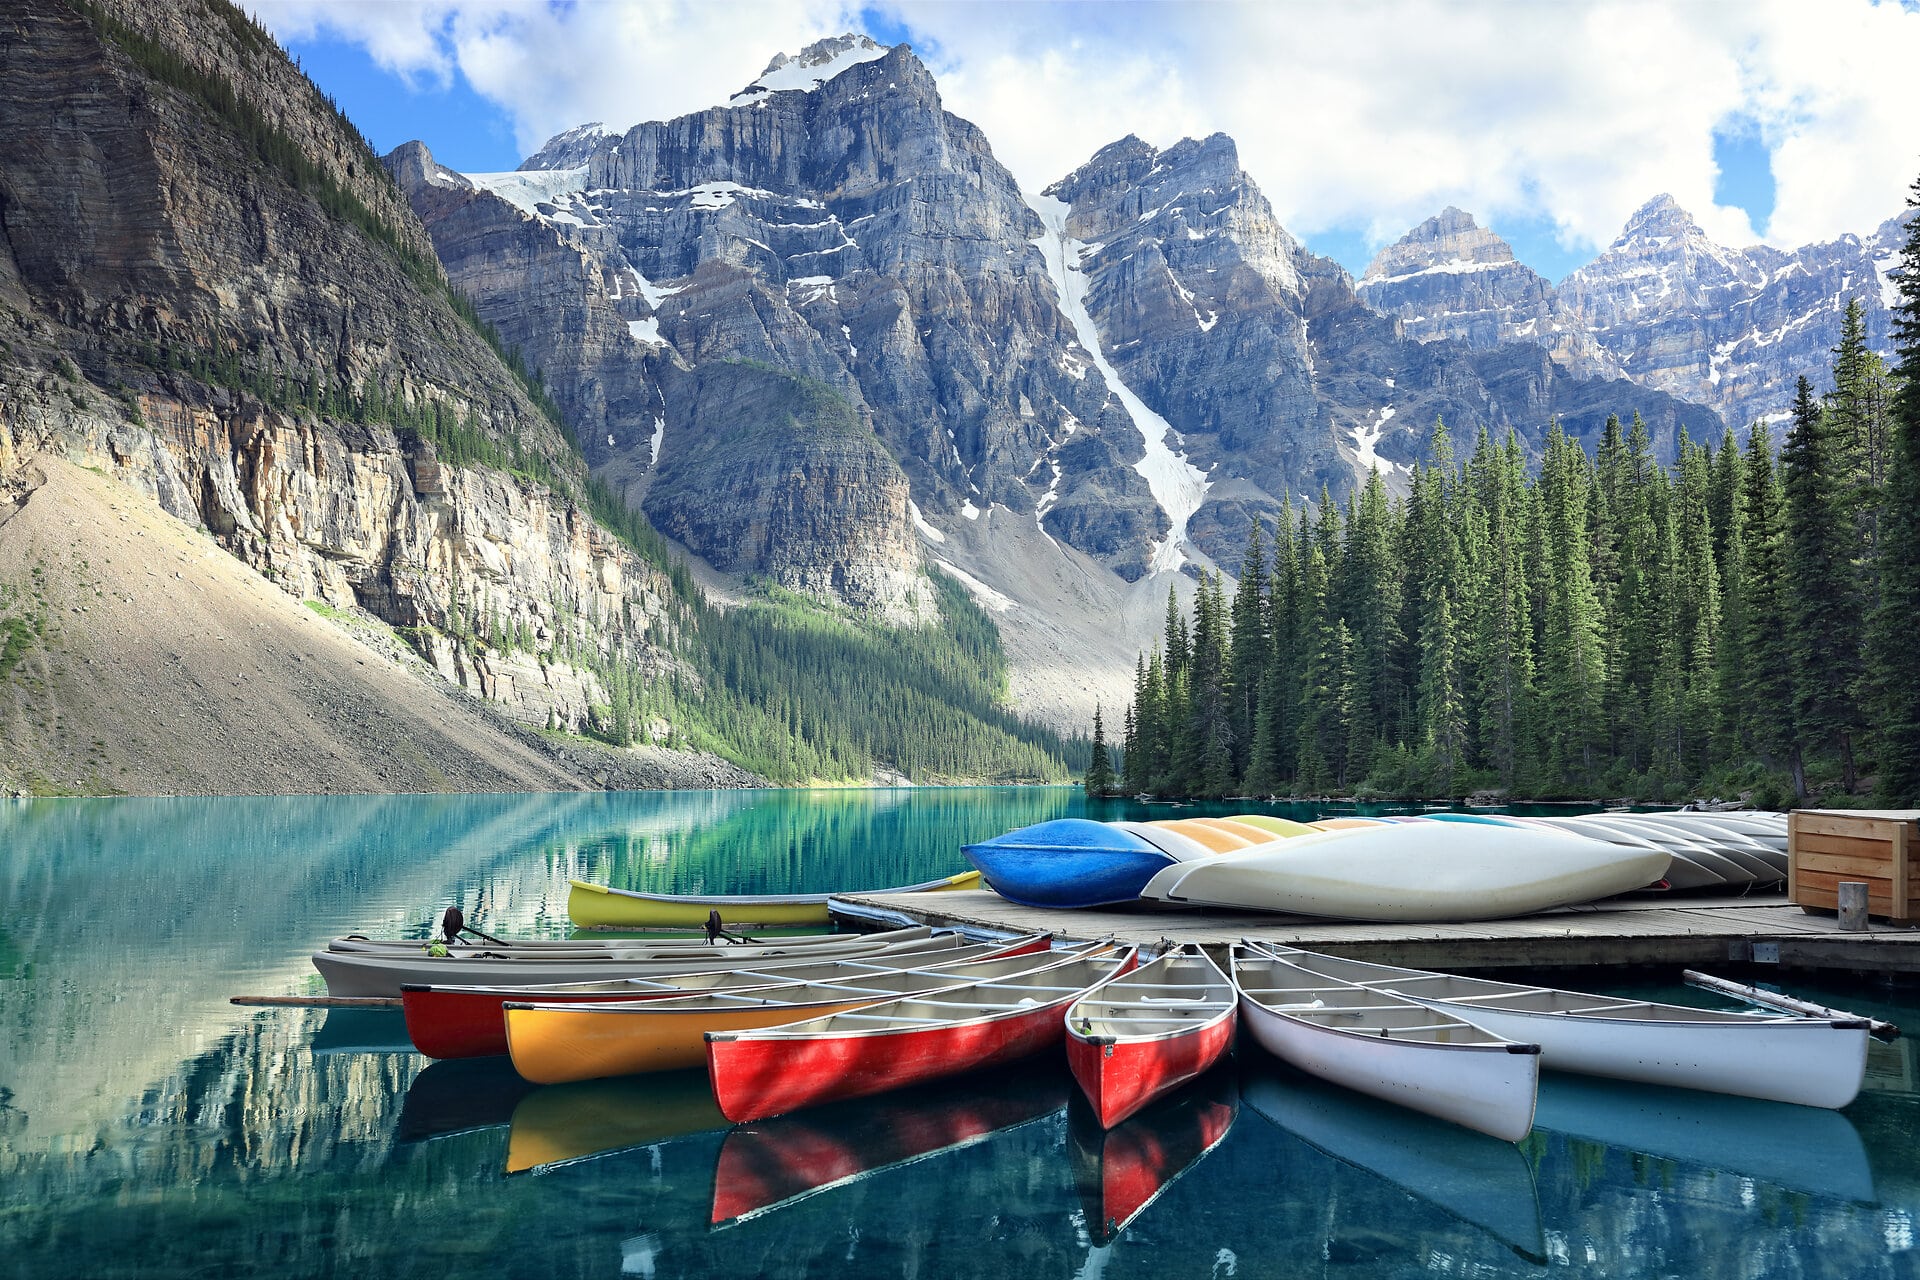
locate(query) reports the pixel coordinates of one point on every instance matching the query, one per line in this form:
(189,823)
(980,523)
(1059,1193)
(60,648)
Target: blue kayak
(1068,862)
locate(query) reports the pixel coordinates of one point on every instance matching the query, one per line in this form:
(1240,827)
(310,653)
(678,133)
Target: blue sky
(1550,124)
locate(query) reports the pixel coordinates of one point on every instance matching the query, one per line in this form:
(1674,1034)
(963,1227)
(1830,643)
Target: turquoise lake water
(149,1128)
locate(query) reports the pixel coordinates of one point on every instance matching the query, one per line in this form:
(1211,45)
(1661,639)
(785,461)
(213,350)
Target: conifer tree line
(1601,626)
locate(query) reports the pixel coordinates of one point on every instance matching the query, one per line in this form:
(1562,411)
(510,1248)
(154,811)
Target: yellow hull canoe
(553,1045)
(593,906)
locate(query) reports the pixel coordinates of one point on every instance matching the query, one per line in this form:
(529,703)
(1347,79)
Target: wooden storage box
(1826,846)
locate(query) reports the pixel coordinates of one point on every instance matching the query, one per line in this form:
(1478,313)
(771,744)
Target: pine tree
(1766,686)
(1099,780)
(1894,691)
(1571,671)
(1250,647)
(1824,604)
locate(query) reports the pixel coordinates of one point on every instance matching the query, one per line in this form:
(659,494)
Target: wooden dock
(1664,931)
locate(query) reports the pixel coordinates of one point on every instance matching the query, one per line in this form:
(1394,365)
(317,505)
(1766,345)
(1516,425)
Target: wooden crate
(1879,846)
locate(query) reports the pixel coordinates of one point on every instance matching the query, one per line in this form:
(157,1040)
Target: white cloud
(1372,115)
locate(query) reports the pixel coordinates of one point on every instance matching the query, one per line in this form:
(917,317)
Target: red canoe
(1140,1035)
(902,1042)
(470,1022)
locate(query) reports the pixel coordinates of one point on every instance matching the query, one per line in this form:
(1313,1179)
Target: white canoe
(591,946)
(1413,871)
(1815,1062)
(1397,1050)
(366,973)
(1684,848)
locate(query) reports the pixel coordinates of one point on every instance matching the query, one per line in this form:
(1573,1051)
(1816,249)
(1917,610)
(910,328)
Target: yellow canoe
(594,906)
(560,1043)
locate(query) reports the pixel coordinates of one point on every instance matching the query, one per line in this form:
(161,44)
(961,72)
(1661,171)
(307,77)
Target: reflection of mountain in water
(136,919)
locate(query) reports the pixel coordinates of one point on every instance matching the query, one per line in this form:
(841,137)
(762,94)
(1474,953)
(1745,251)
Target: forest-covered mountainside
(1608,626)
(214,293)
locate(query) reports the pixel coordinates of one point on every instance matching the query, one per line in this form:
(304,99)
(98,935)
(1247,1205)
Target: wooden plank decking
(1641,931)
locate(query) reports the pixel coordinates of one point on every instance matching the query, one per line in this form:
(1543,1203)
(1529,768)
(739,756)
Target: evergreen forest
(1596,626)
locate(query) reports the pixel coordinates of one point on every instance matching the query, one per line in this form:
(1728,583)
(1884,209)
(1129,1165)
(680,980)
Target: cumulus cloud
(1369,116)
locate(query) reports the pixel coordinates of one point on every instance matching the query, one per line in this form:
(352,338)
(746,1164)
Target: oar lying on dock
(1786,1004)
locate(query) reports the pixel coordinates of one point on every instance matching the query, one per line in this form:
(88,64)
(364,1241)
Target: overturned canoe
(1815,1062)
(899,1043)
(1139,1036)
(467,1021)
(593,906)
(1391,1048)
(1430,871)
(558,1043)
(1071,862)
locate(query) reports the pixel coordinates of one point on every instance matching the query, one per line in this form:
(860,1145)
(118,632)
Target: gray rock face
(838,225)
(1273,374)
(136,220)
(1451,278)
(1664,305)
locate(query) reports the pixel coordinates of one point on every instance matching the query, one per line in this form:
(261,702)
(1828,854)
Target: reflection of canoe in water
(1471,1176)
(593,906)
(1122,1170)
(460,1096)
(362,1031)
(1804,1149)
(566,1122)
(773,1163)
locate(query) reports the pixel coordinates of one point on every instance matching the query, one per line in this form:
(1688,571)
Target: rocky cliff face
(1664,305)
(255,335)
(836,223)
(1451,278)
(1271,374)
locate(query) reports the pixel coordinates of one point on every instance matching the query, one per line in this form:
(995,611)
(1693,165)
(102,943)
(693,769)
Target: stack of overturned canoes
(1435,867)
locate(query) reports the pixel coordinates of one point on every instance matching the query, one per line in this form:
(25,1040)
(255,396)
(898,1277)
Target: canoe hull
(369,974)
(1068,862)
(592,906)
(1811,1062)
(1121,1077)
(562,1046)
(1433,871)
(1488,1088)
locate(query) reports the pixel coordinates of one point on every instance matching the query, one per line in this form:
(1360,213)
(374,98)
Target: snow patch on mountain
(528,189)
(810,68)
(1366,441)
(1177,485)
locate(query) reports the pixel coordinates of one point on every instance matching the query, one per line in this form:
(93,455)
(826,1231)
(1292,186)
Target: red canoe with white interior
(889,1046)
(470,1021)
(1141,1035)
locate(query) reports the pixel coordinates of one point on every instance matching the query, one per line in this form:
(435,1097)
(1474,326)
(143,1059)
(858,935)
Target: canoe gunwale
(985,1019)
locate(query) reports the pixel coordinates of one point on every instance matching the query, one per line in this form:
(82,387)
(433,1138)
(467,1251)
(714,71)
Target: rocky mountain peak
(1657,224)
(813,66)
(1450,240)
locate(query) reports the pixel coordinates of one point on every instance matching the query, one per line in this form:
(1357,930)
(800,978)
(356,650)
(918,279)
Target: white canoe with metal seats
(1413,871)
(1397,1050)
(1815,1062)
(599,946)
(365,973)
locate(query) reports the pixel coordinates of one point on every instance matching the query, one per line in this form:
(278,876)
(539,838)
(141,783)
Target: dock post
(1853,905)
